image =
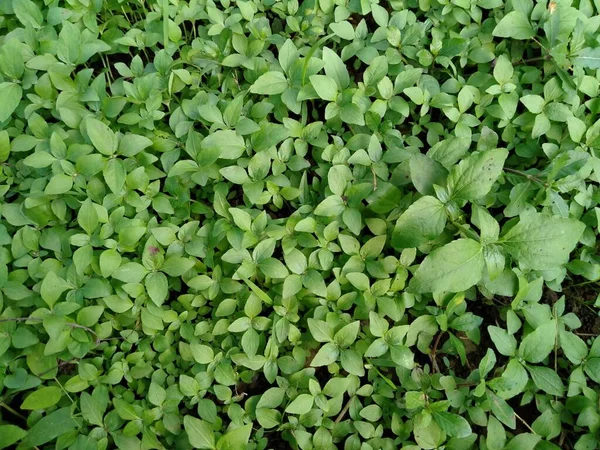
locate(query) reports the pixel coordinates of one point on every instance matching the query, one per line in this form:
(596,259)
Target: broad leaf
(514,25)
(454,267)
(424,220)
(199,433)
(542,242)
(474,176)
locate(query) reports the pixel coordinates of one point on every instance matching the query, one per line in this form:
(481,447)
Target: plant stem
(538,58)
(165,11)
(13,412)
(39,319)
(467,231)
(343,412)
(526,175)
(433,353)
(539,43)
(524,423)
(64,390)
(374,178)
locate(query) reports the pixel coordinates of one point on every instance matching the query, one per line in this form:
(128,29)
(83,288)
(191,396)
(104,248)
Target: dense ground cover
(299,225)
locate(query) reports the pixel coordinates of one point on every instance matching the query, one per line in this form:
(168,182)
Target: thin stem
(526,175)
(374,178)
(165,13)
(343,412)
(60,364)
(20,319)
(540,44)
(64,390)
(585,282)
(556,345)
(467,231)
(13,412)
(39,319)
(538,58)
(524,423)
(432,356)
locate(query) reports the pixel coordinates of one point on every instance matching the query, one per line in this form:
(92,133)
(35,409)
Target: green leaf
(126,410)
(202,354)
(114,174)
(424,220)
(176,266)
(538,344)
(59,184)
(331,206)
(534,103)
(505,343)
(130,273)
(156,394)
(320,330)
(474,176)
(542,242)
(514,25)
(376,71)
(273,268)
(50,427)
(547,380)
(28,13)
(425,172)
(346,336)
(523,441)
(352,114)
(335,68)
(91,409)
(270,83)
(343,29)
(496,436)
(574,348)
(235,439)
(502,410)
(200,433)
(11,96)
(452,424)
(325,87)
(541,126)
(577,128)
(69,47)
(87,217)
(288,54)
(43,398)
(4,146)
(229,144)
(455,267)
(10,434)
(326,355)
(359,280)
(52,288)
(503,70)
(11,59)
(101,136)
(132,144)
(89,315)
(157,287)
(589,58)
(300,405)
(110,260)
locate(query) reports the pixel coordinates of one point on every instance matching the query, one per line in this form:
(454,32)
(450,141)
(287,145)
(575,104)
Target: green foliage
(323,224)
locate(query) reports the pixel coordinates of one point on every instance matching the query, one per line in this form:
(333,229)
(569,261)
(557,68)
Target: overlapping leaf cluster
(312,225)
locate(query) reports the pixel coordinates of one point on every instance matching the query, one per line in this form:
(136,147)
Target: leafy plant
(311,225)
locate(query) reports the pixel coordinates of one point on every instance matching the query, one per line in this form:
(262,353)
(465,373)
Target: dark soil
(580,301)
